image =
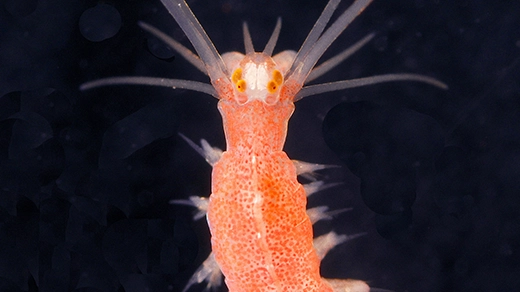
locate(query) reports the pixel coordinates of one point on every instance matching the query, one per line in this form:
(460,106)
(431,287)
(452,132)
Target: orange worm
(262,237)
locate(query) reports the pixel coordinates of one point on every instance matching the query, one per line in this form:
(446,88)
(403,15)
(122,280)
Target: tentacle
(269,47)
(198,38)
(339,85)
(248,41)
(304,64)
(336,60)
(175,45)
(314,35)
(151,81)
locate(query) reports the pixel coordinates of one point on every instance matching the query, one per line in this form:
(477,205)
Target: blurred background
(433,176)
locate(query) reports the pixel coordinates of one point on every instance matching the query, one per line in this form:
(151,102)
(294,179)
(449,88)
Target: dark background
(433,176)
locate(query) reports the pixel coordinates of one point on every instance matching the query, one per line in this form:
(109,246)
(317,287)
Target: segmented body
(262,237)
(261,234)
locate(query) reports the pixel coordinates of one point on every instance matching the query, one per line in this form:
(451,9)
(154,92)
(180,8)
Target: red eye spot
(271,86)
(241,85)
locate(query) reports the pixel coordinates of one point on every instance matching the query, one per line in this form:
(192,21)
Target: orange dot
(241,85)
(237,75)
(277,77)
(271,86)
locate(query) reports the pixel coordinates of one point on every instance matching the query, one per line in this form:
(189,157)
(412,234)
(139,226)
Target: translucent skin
(261,234)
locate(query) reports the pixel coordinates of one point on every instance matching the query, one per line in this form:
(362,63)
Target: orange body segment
(262,237)
(261,234)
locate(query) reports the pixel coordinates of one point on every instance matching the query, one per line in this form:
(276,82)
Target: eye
(241,85)
(236,78)
(271,86)
(275,82)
